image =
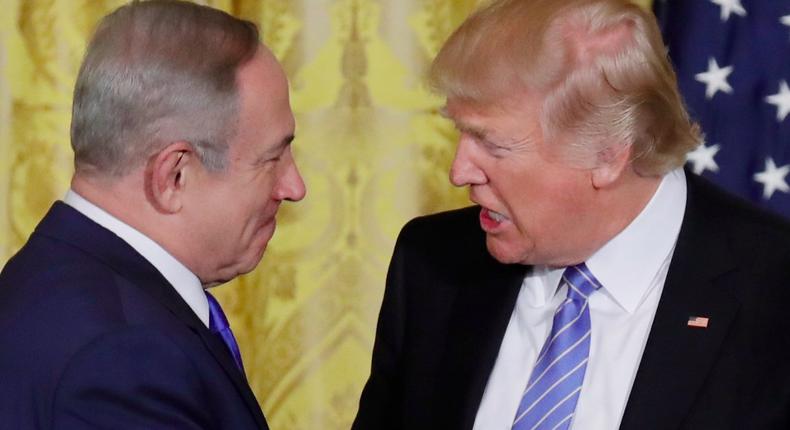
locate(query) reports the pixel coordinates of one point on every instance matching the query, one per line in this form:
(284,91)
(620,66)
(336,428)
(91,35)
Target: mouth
(265,231)
(271,224)
(490,220)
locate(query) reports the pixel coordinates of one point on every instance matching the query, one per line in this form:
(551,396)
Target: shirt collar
(186,284)
(541,283)
(627,265)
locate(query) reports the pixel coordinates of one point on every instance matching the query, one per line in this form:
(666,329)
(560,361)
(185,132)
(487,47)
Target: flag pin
(701,322)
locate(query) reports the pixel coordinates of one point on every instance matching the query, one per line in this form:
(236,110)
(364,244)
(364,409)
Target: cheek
(254,202)
(542,205)
(257,214)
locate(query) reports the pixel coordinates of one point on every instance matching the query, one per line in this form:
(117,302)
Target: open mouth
(491,219)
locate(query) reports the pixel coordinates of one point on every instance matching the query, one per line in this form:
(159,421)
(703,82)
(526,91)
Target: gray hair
(156,72)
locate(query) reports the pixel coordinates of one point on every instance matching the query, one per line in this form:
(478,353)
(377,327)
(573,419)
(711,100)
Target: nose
(291,186)
(464,171)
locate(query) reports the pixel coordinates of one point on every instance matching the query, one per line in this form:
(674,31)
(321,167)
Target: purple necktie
(218,324)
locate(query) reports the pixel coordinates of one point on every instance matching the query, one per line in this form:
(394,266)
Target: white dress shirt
(632,268)
(186,284)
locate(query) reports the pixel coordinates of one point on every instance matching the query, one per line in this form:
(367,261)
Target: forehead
(517,114)
(265,116)
(263,80)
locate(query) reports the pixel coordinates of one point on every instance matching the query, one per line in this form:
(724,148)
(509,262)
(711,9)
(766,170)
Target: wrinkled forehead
(521,103)
(502,122)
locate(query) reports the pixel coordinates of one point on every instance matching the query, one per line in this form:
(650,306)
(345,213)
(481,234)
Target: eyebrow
(477,132)
(487,135)
(286,141)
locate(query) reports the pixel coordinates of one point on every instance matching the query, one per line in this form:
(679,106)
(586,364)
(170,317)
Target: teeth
(498,217)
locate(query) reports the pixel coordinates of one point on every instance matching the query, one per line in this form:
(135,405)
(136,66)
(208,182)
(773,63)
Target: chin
(232,271)
(506,253)
(251,263)
(500,253)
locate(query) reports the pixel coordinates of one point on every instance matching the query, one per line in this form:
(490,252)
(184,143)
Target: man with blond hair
(596,285)
(181,131)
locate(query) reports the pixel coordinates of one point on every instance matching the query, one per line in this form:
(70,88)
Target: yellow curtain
(371,147)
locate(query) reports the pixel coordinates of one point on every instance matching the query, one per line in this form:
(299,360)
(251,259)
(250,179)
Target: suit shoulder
(56,302)
(444,225)
(452,238)
(743,215)
(43,258)
(47,273)
(757,239)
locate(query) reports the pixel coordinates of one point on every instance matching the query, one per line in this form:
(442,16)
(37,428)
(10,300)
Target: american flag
(700,322)
(733,63)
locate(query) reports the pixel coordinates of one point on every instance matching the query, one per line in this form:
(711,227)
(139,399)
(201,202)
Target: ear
(612,164)
(166,176)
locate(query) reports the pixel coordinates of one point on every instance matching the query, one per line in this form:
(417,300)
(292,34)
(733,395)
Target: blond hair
(600,67)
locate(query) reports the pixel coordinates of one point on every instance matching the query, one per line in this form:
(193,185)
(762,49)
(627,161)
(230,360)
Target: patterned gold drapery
(371,147)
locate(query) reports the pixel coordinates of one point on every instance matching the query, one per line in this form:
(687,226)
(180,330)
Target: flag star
(773,178)
(781,100)
(702,158)
(715,79)
(728,7)
(785,20)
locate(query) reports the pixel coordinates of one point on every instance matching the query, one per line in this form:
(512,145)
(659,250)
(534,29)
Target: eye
(272,158)
(495,149)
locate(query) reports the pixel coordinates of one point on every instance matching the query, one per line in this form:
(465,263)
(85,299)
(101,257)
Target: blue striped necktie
(219,325)
(549,401)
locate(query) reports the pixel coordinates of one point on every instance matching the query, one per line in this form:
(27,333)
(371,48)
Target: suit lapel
(479,319)
(159,288)
(677,357)
(67,224)
(222,355)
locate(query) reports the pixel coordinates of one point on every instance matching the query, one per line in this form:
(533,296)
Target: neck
(125,198)
(618,205)
(114,195)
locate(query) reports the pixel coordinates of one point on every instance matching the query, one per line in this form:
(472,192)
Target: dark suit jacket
(447,304)
(92,336)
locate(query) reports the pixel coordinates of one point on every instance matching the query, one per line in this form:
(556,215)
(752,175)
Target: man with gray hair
(181,130)
(596,285)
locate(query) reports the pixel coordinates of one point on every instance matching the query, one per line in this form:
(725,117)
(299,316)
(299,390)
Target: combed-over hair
(156,72)
(599,66)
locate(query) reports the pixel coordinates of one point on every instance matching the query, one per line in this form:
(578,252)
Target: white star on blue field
(732,58)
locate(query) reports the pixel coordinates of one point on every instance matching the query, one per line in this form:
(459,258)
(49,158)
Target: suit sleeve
(382,396)
(136,378)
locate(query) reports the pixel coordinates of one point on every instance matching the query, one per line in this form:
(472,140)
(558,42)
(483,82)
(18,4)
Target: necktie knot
(218,324)
(581,282)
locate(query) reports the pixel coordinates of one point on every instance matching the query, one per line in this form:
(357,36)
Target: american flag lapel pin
(700,322)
